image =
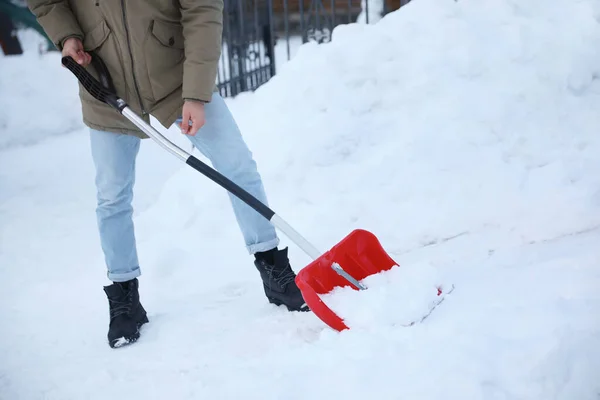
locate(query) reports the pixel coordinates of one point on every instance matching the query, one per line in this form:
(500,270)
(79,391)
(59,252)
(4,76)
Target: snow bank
(38,97)
(446,118)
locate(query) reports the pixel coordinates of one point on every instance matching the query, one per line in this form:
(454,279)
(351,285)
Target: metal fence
(247,59)
(253,28)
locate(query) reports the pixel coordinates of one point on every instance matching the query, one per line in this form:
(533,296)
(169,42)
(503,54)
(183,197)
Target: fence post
(270,42)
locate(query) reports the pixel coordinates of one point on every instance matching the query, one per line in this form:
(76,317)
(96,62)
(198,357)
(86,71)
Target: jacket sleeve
(202,22)
(57,19)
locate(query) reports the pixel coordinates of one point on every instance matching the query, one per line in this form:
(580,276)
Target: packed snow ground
(463,134)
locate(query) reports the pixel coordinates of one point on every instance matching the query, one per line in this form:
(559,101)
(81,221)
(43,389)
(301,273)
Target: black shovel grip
(231,187)
(104,91)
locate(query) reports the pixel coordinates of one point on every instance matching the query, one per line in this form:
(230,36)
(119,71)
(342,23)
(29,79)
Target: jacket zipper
(135,84)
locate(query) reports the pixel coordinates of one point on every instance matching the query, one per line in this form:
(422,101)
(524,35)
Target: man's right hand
(74,48)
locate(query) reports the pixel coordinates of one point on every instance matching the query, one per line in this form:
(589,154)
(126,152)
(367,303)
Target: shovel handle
(105,93)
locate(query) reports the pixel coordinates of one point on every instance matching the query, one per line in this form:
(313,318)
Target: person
(163,58)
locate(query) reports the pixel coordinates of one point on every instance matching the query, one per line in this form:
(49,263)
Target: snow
(373,9)
(400,296)
(36,103)
(463,134)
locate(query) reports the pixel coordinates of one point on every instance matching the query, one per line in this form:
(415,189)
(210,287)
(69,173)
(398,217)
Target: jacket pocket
(96,37)
(165,54)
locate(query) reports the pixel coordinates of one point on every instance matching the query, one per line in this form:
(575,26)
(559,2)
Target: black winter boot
(278,280)
(126,313)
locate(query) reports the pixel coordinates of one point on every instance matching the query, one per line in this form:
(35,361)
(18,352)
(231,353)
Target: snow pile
(38,98)
(446,118)
(399,297)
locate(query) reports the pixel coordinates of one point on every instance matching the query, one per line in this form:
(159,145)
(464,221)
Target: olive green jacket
(158,52)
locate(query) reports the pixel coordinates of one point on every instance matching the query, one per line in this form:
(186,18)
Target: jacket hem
(132,132)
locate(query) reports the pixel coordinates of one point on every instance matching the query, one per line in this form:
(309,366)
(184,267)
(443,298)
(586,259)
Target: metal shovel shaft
(104,92)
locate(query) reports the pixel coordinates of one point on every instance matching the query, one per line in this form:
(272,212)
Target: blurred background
(258,35)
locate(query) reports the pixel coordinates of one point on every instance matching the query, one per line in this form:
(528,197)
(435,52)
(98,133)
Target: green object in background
(22,15)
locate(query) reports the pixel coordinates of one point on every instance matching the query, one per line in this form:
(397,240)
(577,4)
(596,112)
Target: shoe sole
(124,341)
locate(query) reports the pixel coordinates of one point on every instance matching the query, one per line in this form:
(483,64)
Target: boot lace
(120,307)
(283,276)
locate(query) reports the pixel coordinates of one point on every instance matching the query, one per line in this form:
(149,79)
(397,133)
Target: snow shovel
(358,255)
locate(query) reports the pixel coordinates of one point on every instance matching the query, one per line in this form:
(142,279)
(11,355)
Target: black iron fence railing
(253,29)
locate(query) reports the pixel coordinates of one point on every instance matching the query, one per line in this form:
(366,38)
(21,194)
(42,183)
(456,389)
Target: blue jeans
(114,156)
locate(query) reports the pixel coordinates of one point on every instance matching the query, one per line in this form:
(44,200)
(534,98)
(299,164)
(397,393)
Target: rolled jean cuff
(126,276)
(265,246)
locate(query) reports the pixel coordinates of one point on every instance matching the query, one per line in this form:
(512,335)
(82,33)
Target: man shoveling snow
(170,74)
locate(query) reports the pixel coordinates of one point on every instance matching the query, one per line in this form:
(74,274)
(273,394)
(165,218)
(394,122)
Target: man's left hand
(192,111)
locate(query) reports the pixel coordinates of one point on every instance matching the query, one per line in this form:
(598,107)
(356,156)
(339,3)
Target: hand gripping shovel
(357,256)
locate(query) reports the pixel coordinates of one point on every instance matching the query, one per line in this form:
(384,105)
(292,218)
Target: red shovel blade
(360,254)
